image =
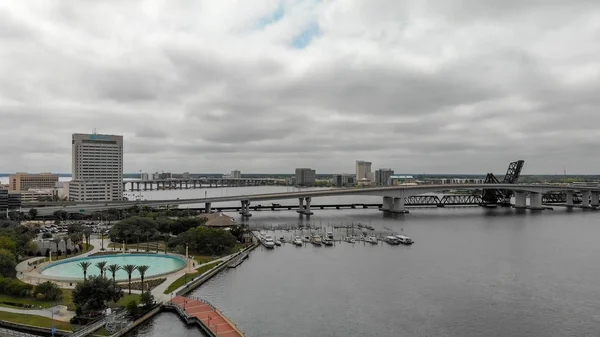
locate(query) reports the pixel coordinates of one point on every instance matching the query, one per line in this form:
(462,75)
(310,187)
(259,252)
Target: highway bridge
(181,184)
(394,197)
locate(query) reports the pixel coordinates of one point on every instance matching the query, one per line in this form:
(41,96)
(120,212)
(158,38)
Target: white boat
(392,240)
(405,240)
(329,235)
(328,242)
(316,240)
(298,241)
(268,242)
(372,240)
(277,243)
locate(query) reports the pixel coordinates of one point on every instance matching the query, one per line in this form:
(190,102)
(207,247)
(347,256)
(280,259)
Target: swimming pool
(158,263)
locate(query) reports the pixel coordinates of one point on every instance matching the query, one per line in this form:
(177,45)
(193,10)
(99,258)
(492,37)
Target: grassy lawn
(34,320)
(181,281)
(127,298)
(21,300)
(200,259)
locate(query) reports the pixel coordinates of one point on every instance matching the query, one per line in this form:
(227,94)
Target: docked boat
(298,241)
(372,240)
(328,242)
(392,240)
(330,235)
(405,240)
(316,240)
(277,243)
(282,239)
(268,242)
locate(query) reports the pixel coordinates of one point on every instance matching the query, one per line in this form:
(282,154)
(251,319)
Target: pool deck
(207,315)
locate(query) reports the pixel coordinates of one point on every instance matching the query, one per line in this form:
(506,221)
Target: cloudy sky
(452,86)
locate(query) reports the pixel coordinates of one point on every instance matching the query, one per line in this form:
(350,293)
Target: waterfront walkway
(208,315)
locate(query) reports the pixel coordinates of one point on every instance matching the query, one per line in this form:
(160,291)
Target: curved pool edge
(38,276)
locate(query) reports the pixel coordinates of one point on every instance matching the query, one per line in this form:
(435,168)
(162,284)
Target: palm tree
(102,266)
(142,270)
(129,269)
(84,265)
(113,269)
(137,234)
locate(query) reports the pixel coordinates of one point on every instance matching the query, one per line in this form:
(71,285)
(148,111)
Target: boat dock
(211,320)
(238,259)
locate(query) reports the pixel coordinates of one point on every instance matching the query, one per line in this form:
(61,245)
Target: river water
(471,272)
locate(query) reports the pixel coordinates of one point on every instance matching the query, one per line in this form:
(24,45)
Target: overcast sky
(448,86)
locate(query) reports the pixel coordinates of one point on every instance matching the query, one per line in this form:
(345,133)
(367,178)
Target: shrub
(59,252)
(49,290)
(147,299)
(14,287)
(132,308)
(38,253)
(40,296)
(46,236)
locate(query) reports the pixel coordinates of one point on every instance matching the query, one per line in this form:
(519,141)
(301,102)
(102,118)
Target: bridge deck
(208,315)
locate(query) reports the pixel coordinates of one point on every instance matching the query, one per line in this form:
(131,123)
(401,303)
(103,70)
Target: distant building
(25,181)
(35,195)
(97,167)
(144,176)
(363,171)
(186,175)
(290,180)
(382,177)
(402,180)
(165,176)
(155,176)
(305,177)
(3,200)
(345,179)
(235,174)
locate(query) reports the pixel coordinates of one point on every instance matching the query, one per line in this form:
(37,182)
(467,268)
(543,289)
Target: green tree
(132,308)
(147,299)
(113,269)
(95,294)
(129,269)
(102,266)
(142,270)
(33,213)
(87,233)
(49,290)
(7,263)
(84,265)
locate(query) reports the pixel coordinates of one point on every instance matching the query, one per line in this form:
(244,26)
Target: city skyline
(268,86)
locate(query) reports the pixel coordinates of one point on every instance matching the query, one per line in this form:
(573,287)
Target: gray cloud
(462,86)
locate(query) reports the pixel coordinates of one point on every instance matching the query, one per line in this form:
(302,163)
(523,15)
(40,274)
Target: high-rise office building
(363,171)
(25,181)
(382,177)
(97,167)
(305,177)
(344,179)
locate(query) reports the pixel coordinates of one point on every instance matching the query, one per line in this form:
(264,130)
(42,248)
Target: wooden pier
(208,317)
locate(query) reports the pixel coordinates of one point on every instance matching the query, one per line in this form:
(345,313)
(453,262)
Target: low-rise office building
(305,177)
(345,179)
(22,181)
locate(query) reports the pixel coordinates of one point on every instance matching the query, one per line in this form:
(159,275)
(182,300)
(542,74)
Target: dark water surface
(471,272)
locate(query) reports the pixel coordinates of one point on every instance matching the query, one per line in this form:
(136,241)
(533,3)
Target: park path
(158,292)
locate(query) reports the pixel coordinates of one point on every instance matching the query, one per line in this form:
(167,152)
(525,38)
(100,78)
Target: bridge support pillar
(520,199)
(585,199)
(207,208)
(569,198)
(307,208)
(388,204)
(535,201)
(245,211)
(399,206)
(595,199)
(300,205)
